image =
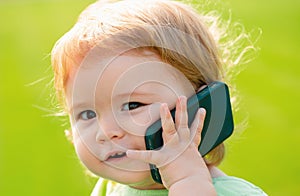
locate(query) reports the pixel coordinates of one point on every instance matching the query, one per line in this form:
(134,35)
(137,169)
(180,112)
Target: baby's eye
(87,115)
(132,106)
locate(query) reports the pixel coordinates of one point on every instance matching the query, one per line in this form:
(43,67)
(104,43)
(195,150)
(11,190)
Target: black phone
(218,122)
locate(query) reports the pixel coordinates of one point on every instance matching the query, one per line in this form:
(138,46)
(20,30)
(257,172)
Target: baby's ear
(69,135)
(201,87)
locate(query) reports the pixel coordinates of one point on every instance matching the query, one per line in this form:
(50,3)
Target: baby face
(111,102)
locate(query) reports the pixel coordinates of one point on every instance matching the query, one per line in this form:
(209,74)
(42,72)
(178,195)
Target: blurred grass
(268,151)
(36,159)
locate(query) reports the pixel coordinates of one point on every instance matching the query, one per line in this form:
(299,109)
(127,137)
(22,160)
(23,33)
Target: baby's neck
(215,172)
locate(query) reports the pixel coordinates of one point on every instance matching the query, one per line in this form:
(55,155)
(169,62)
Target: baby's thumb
(143,155)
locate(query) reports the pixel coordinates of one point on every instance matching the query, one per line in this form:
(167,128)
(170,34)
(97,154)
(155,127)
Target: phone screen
(218,123)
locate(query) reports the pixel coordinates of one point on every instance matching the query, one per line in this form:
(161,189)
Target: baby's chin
(143,181)
(134,179)
(135,174)
(129,165)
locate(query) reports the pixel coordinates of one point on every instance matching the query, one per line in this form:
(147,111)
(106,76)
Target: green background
(36,158)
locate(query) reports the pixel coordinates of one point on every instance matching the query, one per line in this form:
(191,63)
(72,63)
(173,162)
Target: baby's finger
(169,130)
(147,156)
(182,118)
(197,126)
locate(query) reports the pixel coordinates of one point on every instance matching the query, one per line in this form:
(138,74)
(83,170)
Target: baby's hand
(180,164)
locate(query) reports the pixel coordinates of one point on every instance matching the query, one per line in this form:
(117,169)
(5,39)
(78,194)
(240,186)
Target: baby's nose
(109,130)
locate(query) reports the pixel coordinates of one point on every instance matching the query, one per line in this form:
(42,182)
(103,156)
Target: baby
(124,65)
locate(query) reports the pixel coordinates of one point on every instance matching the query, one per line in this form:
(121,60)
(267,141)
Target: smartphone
(218,122)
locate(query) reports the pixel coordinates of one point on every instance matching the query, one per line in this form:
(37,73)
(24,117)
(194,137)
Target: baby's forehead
(124,74)
(129,69)
(101,60)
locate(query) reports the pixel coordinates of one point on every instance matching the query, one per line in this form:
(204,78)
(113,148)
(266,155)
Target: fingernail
(164,107)
(202,110)
(182,100)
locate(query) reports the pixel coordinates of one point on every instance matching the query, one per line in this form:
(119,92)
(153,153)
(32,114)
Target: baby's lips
(115,154)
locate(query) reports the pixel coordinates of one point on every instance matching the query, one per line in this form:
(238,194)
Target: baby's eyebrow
(75,106)
(137,94)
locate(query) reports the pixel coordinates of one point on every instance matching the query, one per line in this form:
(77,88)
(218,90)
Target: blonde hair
(175,31)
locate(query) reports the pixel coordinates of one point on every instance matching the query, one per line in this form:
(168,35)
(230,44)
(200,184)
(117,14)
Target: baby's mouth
(117,155)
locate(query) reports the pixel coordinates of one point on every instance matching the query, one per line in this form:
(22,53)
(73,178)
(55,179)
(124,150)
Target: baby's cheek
(87,159)
(147,117)
(153,113)
(83,153)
